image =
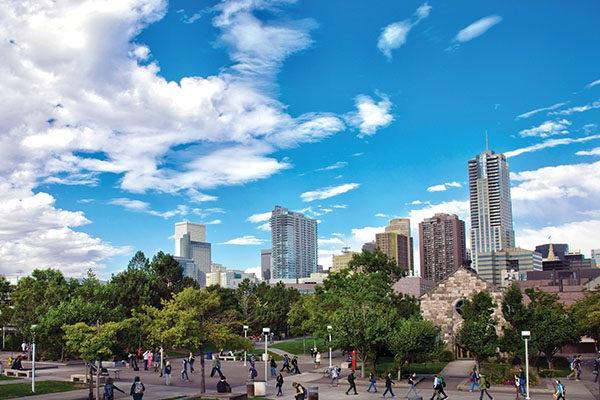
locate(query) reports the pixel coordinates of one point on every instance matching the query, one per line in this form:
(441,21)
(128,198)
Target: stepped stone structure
(442,304)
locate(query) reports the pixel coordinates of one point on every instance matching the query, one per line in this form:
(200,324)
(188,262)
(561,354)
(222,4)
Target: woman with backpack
(474,379)
(484,385)
(137,389)
(560,392)
(109,389)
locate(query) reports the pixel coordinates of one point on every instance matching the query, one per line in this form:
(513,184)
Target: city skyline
(149,114)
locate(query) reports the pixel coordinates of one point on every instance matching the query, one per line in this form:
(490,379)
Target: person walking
(286,363)
(352,382)
(474,377)
(412,381)
(517,386)
(137,389)
(279,385)
(388,385)
(150,358)
(184,370)
(560,391)
(156,361)
(317,359)
(167,373)
(335,376)
(109,389)
(145,358)
(273,366)
(522,381)
(300,391)
(484,385)
(295,369)
(578,366)
(372,383)
(252,373)
(191,360)
(223,386)
(438,387)
(216,366)
(596,370)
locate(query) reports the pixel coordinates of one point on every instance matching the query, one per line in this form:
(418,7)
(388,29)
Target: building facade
(501,267)
(265,264)
(340,261)
(558,250)
(401,226)
(293,244)
(442,246)
(396,247)
(190,244)
(490,204)
(596,257)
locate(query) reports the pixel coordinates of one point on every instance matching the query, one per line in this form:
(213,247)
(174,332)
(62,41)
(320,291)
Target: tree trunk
(203,372)
(362,366)
(98,367)
(550,359)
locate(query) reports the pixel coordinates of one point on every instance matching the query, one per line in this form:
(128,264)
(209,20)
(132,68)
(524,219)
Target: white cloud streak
(394,35)
(249,240)
(531,113)
(547,128)
(328,192)
(260,217)
(477,28)
(442,187)
(577,109)
(549,144)
(594,152)
(592,84)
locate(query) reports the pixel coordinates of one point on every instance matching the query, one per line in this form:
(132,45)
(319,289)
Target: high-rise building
(293,244)
(491,209)
(500,267)
(442,246)
(396,247)
(401,226)
(265,264)
(596,257)
(191,245)
(340,261)
(369,246)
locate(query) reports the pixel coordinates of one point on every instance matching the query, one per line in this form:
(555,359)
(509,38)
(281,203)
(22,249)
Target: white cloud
(477,28)
(458,207)
(330,241)
(549,143)
(199,197)
(264,227)
(327,192)
(594,152)
(580,235)
(382,215)
(340,206)
(577,109)
(260,217)
(393,36)
(249,240)
(547,128)
(539,110)
(254,270)
(213,222)
(370,115)
(592,84)
(334,166)
(442,187)
(142,206)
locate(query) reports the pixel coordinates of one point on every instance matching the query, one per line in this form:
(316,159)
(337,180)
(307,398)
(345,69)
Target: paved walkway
(458,369)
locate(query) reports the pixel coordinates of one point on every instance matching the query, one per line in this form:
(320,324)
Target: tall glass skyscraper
(294,244)
(491,209)
(192,251)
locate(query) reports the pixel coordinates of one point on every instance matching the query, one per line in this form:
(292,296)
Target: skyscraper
(265,264)
(491,209)
(191,248)
(442,246)
(401,226)
(294,244)
(395,246)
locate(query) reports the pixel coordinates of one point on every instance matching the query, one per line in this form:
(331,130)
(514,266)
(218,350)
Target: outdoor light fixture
(526,335)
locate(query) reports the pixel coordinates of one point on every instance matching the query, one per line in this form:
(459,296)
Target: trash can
(250,388)
(260,388)
(313,393)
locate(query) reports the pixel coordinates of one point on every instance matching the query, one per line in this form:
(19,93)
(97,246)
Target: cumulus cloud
(477,28)
(549,144)
(144,207)
(249,240)
(547,128)
(393,36)
(539,110)
(327,192)
(444,186)
(580,235)
(260,217)
(370,114)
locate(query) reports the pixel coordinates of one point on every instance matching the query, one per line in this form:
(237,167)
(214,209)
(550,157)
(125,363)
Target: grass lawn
(16,390)
(302,345)
(7,378)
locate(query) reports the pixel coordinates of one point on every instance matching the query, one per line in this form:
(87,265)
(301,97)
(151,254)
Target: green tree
(93,343)
(413,340)
(552,327)
(376,261)
(5,303)
(478,331)
(139,261)
(190,321)
(131,289)
(586,312)
(517,316)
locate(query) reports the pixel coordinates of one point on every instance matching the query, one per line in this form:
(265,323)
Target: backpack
(487,384)
(442,381)
(139,388)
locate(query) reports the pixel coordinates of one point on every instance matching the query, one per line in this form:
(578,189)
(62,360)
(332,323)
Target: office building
(442,246)
(265,264)
(500,267)
(401,226)
(369,246)
(570,285)
(227,278)
(558,250)
(490,204)
(340,261)
(190,244)
(293,244)
(396,247)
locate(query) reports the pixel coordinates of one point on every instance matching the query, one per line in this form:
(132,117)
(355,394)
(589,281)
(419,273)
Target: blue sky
(146,113)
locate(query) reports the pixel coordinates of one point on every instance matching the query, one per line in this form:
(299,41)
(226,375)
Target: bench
(116,372)
(84,378)
(227,358)
(18,372)
(226,396)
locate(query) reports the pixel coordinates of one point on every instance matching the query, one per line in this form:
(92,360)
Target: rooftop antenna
(487,141)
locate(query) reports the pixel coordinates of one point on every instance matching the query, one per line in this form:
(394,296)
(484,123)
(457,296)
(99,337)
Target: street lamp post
(245,337)
(526,335)
(329,329)
(266,332)
(33,327)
